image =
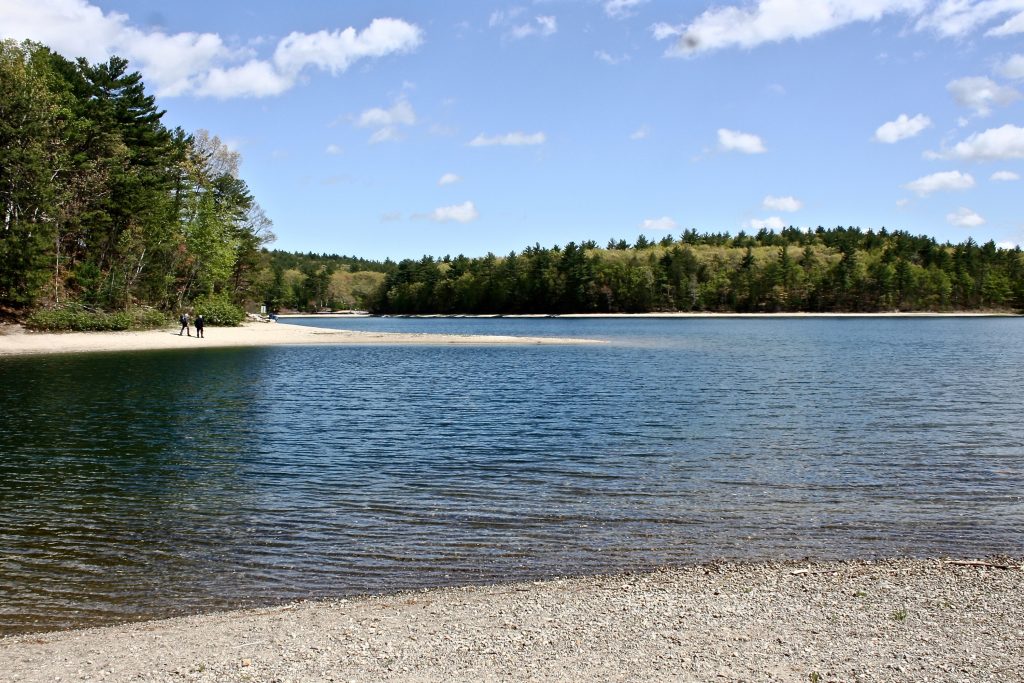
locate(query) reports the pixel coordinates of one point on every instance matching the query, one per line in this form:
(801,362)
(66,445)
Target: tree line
(826,270)
(102,205)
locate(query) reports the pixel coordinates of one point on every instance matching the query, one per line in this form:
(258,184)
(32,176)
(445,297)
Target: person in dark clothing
(199,325)
(184,324)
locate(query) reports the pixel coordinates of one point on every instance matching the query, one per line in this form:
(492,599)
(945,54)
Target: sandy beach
(16,341)
(896,620)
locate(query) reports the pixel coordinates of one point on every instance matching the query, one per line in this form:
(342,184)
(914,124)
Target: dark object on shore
(184,324)
(199,326)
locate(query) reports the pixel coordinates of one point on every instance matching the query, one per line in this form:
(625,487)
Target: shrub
(73,318)
(218,311)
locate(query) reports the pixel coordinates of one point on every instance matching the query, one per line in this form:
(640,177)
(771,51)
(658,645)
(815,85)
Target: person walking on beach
(184,324)
(199,325)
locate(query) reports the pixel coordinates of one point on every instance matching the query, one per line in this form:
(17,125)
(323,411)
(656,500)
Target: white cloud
(542,26)
(333,150)
(734,140)
(964,218)
(663,223)
(197,63)
(618,9)
(900,203)
(336,51)
(641,133)
(388,134)
(609,59)
(771,21)
(1004,176)
(902,128)
(958,18)
(448,179)
(946,180)
(782,203)
(1006,245)
(401,113)
(503,17)
(252,79)
(980,93)
(387,121)
(756,22)
(548,25)
(516,139)
(772,223)
(1013,68)
(1005,142)
(1012,26)
(460,213)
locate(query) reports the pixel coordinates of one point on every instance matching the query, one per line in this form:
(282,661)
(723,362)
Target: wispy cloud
(641,133)
(448,179)
(509,21)
(610,59)
(772,223)
(387,121)
(516,139)
(620,9)
(663,223)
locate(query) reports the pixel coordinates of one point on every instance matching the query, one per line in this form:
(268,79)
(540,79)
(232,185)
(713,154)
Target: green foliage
(218,311)
(837,270)
(77,319)
(102,204)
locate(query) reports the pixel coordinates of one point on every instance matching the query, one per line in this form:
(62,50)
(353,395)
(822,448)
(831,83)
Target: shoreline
(16,341)
(753,316)
(887,620)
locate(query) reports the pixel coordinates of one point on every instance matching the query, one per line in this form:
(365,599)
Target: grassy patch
(78,319)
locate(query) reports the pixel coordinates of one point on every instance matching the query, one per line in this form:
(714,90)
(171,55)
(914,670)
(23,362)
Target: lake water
(149,484)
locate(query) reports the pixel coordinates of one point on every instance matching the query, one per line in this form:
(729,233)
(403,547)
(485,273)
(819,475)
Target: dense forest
(839,269)
(104,206)
(106,209)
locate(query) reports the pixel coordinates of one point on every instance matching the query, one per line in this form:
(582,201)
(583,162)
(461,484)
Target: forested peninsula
(110,216)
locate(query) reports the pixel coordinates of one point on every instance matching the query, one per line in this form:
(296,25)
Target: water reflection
(148,484)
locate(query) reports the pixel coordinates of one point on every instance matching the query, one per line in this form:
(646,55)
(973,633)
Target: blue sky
(406,128)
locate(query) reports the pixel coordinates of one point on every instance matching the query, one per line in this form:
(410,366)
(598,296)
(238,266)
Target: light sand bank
(902,620)
(16,341)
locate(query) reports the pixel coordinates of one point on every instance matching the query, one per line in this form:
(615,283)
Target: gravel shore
(895,620)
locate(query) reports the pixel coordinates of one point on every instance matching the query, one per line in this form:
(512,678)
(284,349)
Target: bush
(74,318)
(218,311)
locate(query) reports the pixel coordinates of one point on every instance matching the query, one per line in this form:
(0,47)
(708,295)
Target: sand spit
(14,340)
(898,620)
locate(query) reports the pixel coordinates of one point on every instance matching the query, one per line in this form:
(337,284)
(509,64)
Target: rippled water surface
(148,484)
